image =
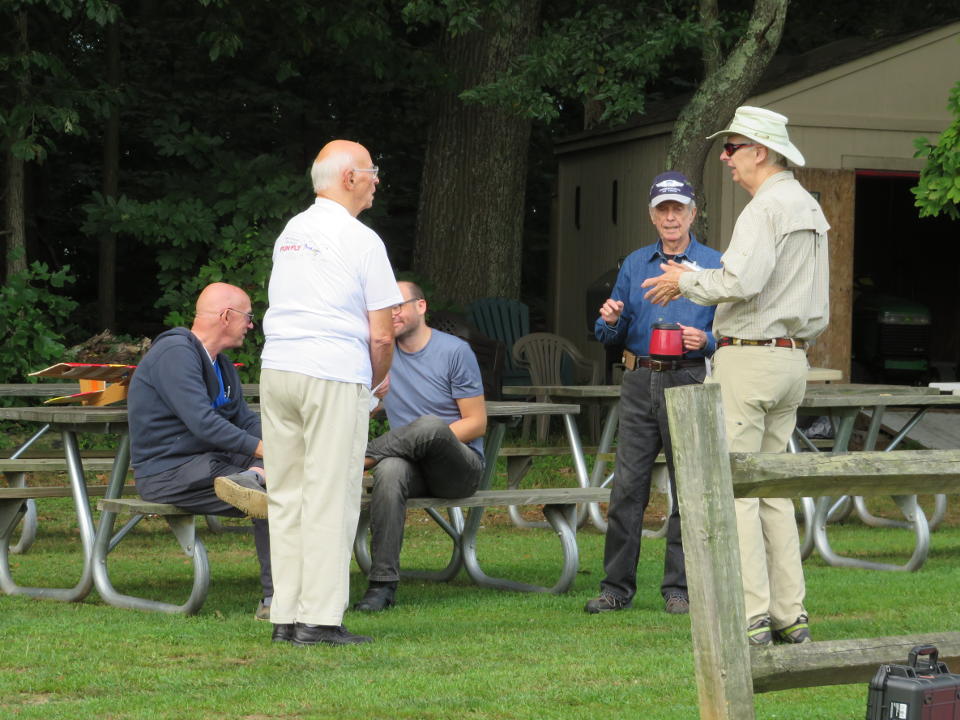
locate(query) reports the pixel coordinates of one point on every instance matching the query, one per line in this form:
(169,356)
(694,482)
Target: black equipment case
(911,692)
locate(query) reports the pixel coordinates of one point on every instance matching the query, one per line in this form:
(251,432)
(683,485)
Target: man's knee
(430,426)
(391,479)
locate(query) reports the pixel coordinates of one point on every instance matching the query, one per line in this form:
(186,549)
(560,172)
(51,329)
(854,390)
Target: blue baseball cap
(671,186)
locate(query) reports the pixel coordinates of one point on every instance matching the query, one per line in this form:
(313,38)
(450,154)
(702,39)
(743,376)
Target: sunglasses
(731,148)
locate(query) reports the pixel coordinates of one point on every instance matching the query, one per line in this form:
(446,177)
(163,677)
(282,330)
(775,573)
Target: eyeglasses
(375,170)
(398,308)
(249,315)
(731,148)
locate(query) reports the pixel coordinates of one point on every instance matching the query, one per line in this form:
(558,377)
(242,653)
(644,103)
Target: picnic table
(69,421)
(608,396)
(98,541)
(843,403)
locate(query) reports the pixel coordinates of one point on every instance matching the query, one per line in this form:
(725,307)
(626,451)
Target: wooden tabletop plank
(58,464)
(78,415)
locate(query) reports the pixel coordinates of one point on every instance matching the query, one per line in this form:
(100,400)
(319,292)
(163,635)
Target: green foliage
(599,53)
(939,188)
(32,321)
(212,218)
(43,97)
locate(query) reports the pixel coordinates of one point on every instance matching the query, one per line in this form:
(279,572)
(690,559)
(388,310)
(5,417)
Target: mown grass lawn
(446,651)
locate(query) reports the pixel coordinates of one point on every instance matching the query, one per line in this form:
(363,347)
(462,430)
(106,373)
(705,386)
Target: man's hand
(259,451)
(666,287)
(383,388)
(693,339)
(610,311)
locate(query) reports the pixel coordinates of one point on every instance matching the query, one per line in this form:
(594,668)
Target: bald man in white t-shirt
(329,340)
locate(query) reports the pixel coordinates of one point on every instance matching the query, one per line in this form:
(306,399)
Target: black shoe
(304,634)
(606,602)
(282,632)
(377,598)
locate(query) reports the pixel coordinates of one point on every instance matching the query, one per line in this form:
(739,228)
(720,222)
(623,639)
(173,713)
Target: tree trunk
(107,270)
(721,92)
(16,226)
(470,218)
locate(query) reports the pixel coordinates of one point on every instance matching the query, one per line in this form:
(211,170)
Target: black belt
(775,342)
(661,365)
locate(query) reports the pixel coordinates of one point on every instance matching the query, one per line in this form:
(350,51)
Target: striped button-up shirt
(775,279)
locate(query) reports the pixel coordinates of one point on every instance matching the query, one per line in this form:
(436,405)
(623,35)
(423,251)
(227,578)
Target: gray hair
(774,158)
(325,173)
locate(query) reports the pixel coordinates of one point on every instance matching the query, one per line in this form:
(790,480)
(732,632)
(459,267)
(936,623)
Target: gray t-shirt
(429,382)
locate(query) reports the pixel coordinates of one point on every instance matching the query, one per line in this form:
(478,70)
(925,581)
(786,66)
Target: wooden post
(717,615)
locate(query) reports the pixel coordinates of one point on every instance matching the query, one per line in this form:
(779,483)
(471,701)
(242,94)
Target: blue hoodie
(170,404)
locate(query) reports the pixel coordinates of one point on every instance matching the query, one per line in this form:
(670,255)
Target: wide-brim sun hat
(765,127)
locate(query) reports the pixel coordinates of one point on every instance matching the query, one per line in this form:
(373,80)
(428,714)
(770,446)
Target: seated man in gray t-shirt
(434,402)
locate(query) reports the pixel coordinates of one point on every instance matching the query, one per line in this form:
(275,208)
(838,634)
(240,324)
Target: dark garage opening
(904,266)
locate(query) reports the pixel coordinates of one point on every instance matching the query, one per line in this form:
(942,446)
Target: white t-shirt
(329,271)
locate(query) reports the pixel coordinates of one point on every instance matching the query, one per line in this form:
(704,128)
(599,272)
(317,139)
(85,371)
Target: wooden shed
(855,109)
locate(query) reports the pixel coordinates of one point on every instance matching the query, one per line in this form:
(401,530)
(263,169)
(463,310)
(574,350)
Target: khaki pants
(314,437)
(761,388)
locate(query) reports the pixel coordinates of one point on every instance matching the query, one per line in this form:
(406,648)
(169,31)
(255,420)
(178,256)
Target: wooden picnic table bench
(559,507)
(17,499)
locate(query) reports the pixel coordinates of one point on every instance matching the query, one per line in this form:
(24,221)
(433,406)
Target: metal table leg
(563,519)
(597,478)
(84,522)
(183,527)
(940,501)
(913,513)
(453,528)
(28,532)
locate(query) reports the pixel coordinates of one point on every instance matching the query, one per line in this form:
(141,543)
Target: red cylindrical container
(666,341)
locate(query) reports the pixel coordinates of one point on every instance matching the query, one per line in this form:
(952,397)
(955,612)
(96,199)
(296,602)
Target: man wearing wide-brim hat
(772,297)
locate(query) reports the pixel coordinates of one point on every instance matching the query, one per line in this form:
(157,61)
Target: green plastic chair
(505,320)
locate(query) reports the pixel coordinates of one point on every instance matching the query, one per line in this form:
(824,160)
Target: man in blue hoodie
(190,424)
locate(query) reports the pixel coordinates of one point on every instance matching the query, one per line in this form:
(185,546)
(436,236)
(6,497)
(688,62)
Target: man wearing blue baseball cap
(772,298)
(627,319)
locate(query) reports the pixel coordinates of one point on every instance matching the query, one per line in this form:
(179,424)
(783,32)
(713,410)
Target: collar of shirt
(657,253)
(774,179)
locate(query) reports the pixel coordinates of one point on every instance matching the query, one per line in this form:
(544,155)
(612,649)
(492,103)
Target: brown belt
(775,342)
(632,362)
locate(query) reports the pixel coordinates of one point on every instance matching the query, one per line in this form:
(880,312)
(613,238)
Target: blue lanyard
(222,398)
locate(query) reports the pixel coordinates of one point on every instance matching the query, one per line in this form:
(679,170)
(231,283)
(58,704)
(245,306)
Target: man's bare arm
(381,343)
(473,419)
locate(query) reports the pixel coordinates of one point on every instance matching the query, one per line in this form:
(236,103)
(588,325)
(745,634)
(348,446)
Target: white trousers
(314,438)
(761,389)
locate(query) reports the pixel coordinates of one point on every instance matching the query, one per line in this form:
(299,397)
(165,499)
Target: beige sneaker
(244,493)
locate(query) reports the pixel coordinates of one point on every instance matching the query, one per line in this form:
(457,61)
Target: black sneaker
(606,602)
(304,634)
(795,634)
(759,633)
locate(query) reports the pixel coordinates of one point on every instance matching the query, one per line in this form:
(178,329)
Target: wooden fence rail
(728,670)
